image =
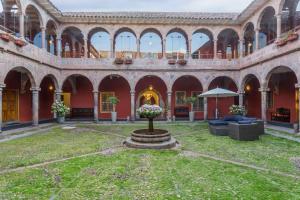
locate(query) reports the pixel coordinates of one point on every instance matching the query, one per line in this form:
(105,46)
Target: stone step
(163,145)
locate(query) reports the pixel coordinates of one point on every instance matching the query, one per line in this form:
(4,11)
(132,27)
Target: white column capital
(35,89)
(2,85)
(132,93)
(264,89)
(96,92)
(296,86)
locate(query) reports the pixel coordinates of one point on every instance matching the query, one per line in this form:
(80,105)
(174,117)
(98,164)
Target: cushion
(249,119)
(233,118)
(245,122)
(218,123)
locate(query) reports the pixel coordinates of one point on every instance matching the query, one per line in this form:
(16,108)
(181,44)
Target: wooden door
(10,106)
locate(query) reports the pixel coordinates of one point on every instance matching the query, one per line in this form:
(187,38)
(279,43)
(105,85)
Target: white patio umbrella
(216,93)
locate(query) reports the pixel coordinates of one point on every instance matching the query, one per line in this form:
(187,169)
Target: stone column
(264,92)
(278,17)
(21,25)
(215,49)
(241,48)
(1,90)
(164,48)
(132,105)
(58,46)
(241,98)
(96,106)
(257,39)
(205,111)
(189,53)
(43,32)
(58,94)
(35,105)
(297,86)
(138,43)
(169,111)
(112,53)
(86,52)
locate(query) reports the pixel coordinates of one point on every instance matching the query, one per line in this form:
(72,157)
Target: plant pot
(114,116)
(182,62)
(192,116)
(119,61)
(281,43)
(128,61)
(61,120)
(172,62)
(20,43)
(292,37)
(5,37)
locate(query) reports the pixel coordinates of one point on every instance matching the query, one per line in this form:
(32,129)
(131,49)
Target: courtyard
(88,161)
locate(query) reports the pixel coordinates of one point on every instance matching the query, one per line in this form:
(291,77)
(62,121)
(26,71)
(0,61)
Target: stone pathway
(279,135)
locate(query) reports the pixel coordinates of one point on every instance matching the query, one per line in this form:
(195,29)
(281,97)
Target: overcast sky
(153,5)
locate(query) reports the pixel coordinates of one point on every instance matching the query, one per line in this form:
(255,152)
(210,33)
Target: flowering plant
(60,108)
(150,112)
(237,110)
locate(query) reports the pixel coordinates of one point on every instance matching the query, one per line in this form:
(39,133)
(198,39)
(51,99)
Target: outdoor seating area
(237,127)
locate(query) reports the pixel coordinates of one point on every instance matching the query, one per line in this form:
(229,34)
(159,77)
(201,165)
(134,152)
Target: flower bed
(150,112)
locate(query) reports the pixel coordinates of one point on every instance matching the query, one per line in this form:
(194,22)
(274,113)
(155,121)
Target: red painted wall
(253,99)
(189,85)
(13,81)
(286,94)
(83,98)
(223,103)
(122,90)
(46,99)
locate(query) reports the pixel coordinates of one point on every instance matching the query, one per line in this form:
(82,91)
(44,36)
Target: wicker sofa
(237,127)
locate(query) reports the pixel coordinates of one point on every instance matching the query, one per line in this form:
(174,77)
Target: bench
(182,111)
(82,112)
(281,115)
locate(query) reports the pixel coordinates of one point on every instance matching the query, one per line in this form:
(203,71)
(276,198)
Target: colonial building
(162,58)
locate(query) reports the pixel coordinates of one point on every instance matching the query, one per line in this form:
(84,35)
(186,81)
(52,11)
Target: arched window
(74,38)
(202,45)
(249,39)
(151,45)
(268,27)
(99,43)
(9,17)
(33,26)
(176,45)
(51,38)
(290,15)
(228,44)
(125,44)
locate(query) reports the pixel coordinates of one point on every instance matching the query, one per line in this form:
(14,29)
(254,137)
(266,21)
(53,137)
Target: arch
(51,36)
(10,19)
(177,48)
(99,44)
(124,29)
(228,44)
(151,44)
(26,71)
(77,75)
(124,46)
(187,75)
(70,36)
(249,38)
(37,12)
(113,76)
(279,69)
(53,78)
(202,45)
(289,11)
(33,25)
(246,78)
(151,75)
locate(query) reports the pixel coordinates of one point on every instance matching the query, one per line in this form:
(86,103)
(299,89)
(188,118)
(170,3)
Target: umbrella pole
(216,108)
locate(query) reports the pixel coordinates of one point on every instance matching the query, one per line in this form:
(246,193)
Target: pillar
(241,98)
(278,17)
(58,46)
(112,54)
(132,105)
(257,39)
(43,31)
(189,53)
(138,45)
(215,49)
(164,48)
(1,90)
(169,111)
(205,111)
(96,106)
(21,25)
(264,92)
(297,86)
(58,94)
(85,40)
(35,105)
(241,48)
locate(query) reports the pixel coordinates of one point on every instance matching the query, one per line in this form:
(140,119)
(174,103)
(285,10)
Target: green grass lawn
(147,174)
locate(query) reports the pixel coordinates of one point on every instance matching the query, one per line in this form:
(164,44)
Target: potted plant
(237,110)
(292,36)
(182,62)
(20,43)
(172,62)
(119,61)
(6,37)
(61,110)
(114,101)
(191,100)
(282,41)
(128,61)
(150,112)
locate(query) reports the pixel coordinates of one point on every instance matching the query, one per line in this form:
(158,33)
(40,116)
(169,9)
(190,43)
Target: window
(106,106)
(180,98)
(269,99)
(199,104)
